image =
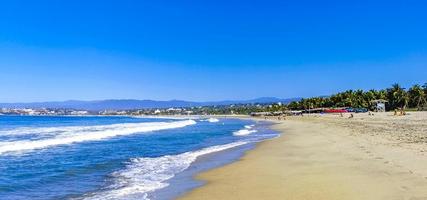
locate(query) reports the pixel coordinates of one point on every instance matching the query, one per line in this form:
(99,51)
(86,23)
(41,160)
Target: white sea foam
(75,134)
(168,117)
(143,175)
(244,132)
(249,126)
(213,120)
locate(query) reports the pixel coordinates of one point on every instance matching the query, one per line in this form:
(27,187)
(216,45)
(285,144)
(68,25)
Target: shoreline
(328,157)
(184,181)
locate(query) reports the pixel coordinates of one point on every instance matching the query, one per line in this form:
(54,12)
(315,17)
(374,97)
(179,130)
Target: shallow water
(112,157)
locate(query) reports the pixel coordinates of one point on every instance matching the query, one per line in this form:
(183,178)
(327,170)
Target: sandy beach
(329,157)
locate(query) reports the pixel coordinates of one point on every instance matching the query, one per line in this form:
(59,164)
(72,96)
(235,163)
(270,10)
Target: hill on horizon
(129,104)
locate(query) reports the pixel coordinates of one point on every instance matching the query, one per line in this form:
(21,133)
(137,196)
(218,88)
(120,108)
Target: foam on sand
(143,175)
(76,134)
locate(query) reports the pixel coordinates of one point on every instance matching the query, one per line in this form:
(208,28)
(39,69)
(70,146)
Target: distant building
(79,112)
(174,110)
(188,112)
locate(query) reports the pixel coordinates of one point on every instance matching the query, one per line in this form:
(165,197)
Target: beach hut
(379,105)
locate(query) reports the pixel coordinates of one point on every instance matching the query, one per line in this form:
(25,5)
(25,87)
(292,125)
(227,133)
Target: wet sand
(329,157)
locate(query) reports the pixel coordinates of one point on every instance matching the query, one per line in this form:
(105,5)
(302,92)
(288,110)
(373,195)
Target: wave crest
(248,130)
(69,135)
(143,175)
(211,120)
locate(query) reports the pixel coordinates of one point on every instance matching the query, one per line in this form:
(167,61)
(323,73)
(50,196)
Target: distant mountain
(257,100)
(127,104)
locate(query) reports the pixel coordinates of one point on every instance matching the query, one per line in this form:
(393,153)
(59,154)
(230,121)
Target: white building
(379,105)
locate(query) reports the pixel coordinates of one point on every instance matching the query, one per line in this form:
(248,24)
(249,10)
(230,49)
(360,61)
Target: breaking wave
(211,120)
(246,131)
(75,134)
(143,175)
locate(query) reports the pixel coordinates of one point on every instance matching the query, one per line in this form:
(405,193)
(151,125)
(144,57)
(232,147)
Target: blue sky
(207,50)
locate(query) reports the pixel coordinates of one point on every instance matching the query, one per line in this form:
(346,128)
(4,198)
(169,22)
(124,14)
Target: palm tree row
(396,97)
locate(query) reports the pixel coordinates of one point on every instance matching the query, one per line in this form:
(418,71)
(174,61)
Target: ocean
(116,157)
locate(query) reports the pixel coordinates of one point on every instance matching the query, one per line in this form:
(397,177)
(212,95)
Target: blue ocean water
(98,157)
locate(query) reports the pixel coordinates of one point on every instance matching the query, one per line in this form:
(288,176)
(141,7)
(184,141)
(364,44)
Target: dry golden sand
(329,157)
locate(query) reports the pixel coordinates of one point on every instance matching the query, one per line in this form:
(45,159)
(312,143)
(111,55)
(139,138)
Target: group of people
(399,112)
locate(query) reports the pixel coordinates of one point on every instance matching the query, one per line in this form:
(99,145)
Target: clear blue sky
(207,50)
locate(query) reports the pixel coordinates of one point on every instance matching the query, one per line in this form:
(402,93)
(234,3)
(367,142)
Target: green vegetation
(396,96)
(243,109)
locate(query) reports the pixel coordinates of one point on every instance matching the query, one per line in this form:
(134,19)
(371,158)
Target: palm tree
(327,102)
(416,96)
(360,101)
(397,97)
(369,96)
(382,94)
(294,105)
(350,98)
